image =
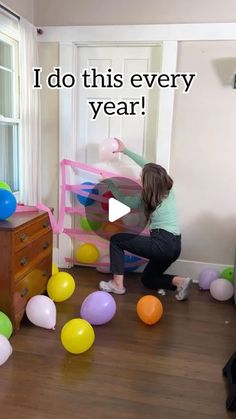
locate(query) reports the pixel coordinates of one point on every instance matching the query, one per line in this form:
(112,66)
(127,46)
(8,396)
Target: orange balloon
(149,309)
(112,228)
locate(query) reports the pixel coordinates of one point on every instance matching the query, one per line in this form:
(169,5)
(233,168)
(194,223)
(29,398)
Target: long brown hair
(156,186)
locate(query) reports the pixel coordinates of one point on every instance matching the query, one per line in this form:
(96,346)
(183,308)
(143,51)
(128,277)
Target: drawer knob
(24,292)
(23,237)
(46,224)
(45,273)
(45,245)
(23,261)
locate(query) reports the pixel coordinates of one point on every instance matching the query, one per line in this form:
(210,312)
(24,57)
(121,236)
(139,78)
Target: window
(9,110)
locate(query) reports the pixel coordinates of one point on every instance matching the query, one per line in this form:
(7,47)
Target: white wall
(203,152)
(109,12)
(22,7)
(203,139)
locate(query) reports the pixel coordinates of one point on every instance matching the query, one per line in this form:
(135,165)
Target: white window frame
(9,33)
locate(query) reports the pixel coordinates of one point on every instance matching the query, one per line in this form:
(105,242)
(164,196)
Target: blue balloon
(131,259)
(85,200)
(7,204)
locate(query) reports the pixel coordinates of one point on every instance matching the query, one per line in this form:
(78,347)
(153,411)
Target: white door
(80,137)
(139,132)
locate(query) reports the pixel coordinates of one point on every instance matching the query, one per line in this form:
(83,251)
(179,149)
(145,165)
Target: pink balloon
(5,349)
(107,148)
(41,311)
(221,289)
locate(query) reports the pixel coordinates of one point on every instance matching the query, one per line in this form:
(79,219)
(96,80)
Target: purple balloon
(206,277)
(98,308)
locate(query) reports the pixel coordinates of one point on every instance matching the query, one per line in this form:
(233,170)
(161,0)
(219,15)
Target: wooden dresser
(25,261)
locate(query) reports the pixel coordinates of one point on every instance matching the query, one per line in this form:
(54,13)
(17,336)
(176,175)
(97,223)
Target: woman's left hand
(102,177)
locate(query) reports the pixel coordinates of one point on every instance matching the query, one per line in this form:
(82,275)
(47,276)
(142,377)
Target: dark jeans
(161,248)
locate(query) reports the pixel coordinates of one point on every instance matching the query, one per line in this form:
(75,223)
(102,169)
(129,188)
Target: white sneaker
(162,292)
(183,291)
(109,287)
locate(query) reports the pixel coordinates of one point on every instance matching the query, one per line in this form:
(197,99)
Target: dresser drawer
(29,233)
(33,283)
(32,254)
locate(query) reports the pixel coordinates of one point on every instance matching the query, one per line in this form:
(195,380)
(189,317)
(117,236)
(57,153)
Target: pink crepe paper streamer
(81,188)
(57,227)
(86,238)
(77,232)
(131,264)
(81,210)
(26,208)
(88,168)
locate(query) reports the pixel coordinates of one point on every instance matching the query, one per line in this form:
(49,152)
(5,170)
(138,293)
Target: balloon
(55,269)
(7,204)
(221,289)
(112,228)
(131,259)
(6,328)
(4,185)
(41,311)
(87,253)
(107,148)
(5,349)
(228,273)
(98,308)
(89,225)
(84,200)
(206,277)
(77,336)
(105,205)
(104,269)
(149,309)
(60,286)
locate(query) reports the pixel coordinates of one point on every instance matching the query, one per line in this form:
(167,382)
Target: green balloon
(4,185)
(227,273)
(6,328)
(89,225)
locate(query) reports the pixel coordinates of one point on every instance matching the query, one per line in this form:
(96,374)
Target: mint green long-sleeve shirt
(165,215)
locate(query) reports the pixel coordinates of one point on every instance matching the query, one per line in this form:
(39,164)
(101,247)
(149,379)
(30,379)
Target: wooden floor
(172,370)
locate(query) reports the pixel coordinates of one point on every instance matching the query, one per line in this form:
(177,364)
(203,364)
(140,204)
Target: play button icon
(116,210)
(109,210)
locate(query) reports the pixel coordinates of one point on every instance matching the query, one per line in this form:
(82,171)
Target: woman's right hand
(121,146)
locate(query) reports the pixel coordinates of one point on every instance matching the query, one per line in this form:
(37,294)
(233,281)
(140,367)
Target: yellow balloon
(77,336)
(55,269)
(87,253)
(60,286)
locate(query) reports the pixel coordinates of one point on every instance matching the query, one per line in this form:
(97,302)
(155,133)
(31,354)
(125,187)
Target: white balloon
(41,311)
(221,289)
(5,349)
(104,269)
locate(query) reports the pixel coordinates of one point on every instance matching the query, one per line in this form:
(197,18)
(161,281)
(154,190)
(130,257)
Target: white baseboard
(192,268)
(181,267)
